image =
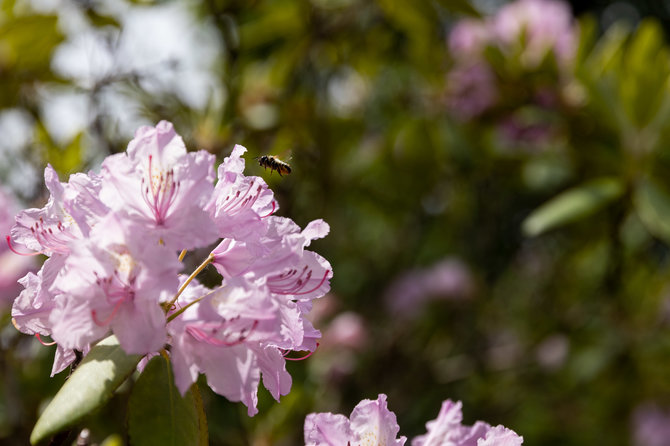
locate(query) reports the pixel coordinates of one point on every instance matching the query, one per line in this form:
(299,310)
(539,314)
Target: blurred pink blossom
(447,279)
(522,34)
(447,430)
(471,90)
(468,38)
(347,330)
(370,423)
(538,27)
(651,426)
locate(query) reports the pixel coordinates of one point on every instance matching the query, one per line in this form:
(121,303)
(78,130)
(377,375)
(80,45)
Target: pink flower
(370,423)
(447,430)
(471,89)
(347,330)
(239,203)
(113,267)
(31,311)
(468,38)
(73,208)
(539,26)
(230,336)
(159,185)
(12,267)
(449,278)
(114,281)
(651,426)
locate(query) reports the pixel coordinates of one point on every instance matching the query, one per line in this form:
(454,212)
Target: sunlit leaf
(652,204)
(159,415)
(91,385)
(28,41)
(572,205)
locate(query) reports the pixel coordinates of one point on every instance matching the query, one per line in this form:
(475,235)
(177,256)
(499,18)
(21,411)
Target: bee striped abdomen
(274,163)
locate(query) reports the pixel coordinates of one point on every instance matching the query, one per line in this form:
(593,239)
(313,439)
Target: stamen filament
(182,254)
(27,254)
(274,208)
(97,321)
(47,344)
(302,358)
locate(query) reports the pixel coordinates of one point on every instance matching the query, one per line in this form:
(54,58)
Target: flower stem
(184,308)
(197,271)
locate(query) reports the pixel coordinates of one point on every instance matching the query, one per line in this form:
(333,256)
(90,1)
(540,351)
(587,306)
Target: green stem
(181,310)
(197,271)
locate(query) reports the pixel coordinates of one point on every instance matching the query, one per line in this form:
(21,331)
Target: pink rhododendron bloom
(279,254)
(229,336)
(72,209)
(31,311)
(347,330)
(471,89)
(112,241)
(370,423)
(539,26)
(449,278)
(650,425)
(468,38)
(526,33)
(12,267)
(239,203)
(447,430)
(162,187)
(114,281)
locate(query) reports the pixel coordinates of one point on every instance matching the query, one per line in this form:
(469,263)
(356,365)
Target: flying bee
(274,163)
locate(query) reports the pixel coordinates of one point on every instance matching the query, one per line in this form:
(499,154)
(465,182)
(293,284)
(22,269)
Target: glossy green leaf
(159,415)
(91,385)
(572,205)
(652,205)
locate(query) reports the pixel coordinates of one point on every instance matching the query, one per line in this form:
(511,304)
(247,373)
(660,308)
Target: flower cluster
(371,423)
(525,36)
(113,242)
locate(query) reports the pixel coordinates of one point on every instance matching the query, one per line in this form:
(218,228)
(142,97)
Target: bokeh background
(496,177)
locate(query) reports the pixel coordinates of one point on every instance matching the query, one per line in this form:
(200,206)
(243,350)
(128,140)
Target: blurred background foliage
(500,214)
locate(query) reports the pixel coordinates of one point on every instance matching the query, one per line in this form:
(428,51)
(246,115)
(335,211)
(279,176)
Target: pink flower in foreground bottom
(447,430)
(372,424)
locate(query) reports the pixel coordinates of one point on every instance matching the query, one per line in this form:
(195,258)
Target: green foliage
(653,207)
(159,415)
(572,205)
(91,385)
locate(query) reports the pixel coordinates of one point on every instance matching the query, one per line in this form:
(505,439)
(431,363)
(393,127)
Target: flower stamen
(26,254)
(47,344)
(207,332)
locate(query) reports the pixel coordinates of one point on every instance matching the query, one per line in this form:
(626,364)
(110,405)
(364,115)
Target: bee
(274,163)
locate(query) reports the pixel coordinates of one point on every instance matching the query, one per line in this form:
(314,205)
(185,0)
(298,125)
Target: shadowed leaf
(572,205)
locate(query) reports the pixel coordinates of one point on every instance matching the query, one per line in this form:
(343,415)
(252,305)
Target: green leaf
(461,6)
(159,415)
(91,385)
(652,205)
(572,205)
